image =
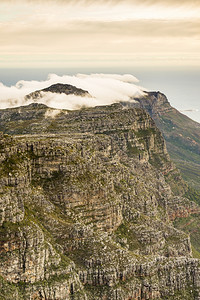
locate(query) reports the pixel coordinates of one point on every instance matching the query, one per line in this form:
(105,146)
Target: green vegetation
(9,290)
(126,236)
(168,124)
(53,127)
(7,229)
(177,184)
(11,164)
(145,132)
(183,144)
(132,150)
(190,173)
(193,195)
(46,182)
(157,160)
(190,225)
(187,294)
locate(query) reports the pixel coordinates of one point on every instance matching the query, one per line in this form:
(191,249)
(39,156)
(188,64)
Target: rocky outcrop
(155,103)
(86,208)
(179,207)
(58,88)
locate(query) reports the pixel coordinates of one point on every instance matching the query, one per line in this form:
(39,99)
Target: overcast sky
(93,33)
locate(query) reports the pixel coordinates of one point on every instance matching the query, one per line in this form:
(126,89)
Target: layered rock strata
(180,132)
(86,208)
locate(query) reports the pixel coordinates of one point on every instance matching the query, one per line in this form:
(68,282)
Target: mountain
(58,88)
(180,132)
(88,201)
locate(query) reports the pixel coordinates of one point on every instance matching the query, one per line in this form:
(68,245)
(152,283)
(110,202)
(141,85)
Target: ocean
(182,88)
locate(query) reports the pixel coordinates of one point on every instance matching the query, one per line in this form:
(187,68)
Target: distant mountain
(180,132)
(59,88)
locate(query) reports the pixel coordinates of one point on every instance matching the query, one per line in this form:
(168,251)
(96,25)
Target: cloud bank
(105,89)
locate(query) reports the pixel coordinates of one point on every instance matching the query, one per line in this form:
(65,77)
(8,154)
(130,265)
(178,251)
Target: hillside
(182,135)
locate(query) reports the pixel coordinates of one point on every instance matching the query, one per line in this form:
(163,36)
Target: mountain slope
(86,211)
(181,134)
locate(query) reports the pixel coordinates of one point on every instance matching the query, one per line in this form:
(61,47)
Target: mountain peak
(59,88)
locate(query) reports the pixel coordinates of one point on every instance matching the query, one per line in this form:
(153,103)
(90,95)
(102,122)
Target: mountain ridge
(182,135)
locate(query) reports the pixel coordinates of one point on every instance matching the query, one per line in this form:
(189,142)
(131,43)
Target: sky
(94,34)
(158,41)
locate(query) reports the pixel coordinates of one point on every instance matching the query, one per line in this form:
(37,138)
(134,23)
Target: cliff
(182,135)
(87,205)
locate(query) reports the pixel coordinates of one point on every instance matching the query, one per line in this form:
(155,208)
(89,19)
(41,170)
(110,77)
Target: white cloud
(125,78)
(189,110)
(104,89)
(52,113)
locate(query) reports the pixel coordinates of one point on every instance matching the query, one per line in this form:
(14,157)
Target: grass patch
(145,132)
(190,225)
(132,150)
(125,235)
(193,195)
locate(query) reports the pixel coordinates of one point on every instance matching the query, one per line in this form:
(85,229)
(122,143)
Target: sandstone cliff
(181,134)
(87,205)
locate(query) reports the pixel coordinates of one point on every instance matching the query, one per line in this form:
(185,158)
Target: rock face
(180,132)
(86,207)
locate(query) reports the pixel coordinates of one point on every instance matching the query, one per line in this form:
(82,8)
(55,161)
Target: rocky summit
(58,88)
(88,201)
